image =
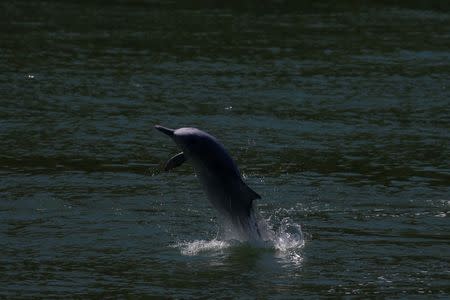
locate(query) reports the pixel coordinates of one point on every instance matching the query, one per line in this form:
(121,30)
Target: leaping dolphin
(219,176)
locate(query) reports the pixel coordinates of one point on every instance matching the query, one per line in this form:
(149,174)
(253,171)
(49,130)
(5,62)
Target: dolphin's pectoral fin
(175,161)
(248,194)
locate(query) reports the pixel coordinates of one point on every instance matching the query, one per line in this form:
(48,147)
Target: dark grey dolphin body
(219,176)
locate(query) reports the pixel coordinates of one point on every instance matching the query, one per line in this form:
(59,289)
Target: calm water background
(339,116)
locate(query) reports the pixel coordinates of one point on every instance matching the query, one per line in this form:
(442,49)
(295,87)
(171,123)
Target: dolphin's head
(205,152)
(192,141)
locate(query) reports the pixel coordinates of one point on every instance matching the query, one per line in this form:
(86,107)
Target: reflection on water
(336,113)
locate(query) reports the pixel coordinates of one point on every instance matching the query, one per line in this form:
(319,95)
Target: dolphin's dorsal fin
(248,194)
(175,161)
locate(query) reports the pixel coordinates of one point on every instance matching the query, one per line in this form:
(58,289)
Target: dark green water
(338,116)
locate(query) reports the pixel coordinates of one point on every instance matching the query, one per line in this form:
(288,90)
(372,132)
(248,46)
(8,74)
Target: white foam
(195,247)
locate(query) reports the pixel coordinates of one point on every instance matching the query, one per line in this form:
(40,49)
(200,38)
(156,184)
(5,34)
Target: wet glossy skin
(218,175)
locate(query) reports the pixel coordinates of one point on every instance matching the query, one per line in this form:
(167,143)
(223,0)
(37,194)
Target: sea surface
(338,115)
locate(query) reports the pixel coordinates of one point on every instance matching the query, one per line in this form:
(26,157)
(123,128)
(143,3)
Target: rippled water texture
(337,115)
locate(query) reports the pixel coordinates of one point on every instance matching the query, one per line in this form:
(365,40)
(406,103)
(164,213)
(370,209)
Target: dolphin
(219,177)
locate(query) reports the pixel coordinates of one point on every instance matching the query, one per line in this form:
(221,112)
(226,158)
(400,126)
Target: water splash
(288,240)
(285,238)
(196,247)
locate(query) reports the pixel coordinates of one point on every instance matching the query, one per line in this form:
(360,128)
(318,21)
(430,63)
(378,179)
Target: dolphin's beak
(165,130)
